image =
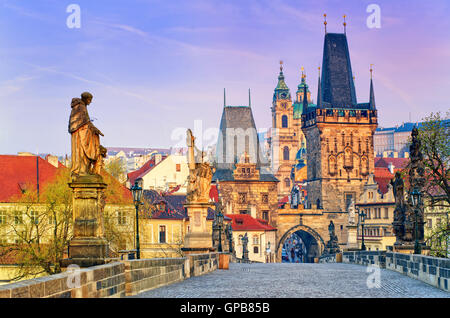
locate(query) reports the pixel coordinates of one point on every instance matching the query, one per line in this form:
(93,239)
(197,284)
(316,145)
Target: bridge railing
(118,279)
(431,270)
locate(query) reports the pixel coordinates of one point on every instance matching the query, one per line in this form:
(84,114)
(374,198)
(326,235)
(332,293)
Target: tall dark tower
(339,132)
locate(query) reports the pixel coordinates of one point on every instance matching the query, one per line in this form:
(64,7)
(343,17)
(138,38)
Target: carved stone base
(352,239)
(198,241)
(199,238)
(87,247)
(408,248)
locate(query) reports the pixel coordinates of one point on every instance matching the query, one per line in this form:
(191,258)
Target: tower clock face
(283,95)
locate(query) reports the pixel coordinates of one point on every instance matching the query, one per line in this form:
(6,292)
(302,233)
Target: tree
(116,167)
(434,135)
(41,226)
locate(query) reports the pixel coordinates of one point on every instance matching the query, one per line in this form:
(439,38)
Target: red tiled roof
(383,177)
(213,193)
(399,163)
(17,172)
(245,222)
(283,201)
(149,165)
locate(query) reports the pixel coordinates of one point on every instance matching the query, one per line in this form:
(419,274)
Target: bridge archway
(312,241)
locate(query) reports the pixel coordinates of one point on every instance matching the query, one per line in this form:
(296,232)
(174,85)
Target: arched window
(284,121)
(286,153)
(287,182)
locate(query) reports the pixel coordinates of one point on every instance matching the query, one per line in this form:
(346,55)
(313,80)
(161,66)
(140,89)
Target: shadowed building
(246,184)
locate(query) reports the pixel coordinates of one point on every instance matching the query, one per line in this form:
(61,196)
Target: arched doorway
(300,244)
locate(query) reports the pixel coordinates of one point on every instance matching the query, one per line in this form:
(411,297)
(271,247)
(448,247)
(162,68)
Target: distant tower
(283,142)
(339,132)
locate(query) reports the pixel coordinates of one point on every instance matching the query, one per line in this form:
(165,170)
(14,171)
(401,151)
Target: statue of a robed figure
(87,153)
(88,246)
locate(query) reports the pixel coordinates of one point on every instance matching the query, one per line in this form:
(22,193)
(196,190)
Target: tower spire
(325,22)
(372,93)
(224,99)
(319,92)
(345,24)
(249,99)
(305,98)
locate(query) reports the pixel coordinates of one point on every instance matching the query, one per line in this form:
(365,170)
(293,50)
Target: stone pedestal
(198,239)
(88,247)
(352,237)
(408,248)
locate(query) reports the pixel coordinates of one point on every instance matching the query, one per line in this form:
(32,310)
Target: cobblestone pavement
(295,280)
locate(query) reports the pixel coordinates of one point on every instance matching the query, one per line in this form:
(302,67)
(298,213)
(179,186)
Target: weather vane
(371,70)
(345,24)
(281,65)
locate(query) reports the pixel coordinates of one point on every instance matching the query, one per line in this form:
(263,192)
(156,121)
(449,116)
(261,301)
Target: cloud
(14,85)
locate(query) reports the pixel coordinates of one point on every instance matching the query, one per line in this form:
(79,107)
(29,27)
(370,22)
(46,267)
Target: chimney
(158,158)
(53,160)
(253,211)
(391,167)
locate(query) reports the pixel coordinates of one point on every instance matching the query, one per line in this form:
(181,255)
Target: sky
(156,68)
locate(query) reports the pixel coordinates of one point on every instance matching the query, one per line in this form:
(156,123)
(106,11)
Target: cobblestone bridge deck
(296,280)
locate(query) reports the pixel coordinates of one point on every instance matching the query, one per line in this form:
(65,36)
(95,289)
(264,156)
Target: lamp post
(416,201)
(230,238)
(220,224)
(362,217)
(136,190)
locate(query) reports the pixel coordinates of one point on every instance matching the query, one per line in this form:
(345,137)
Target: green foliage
(116,168)
(438,240)
(435,147)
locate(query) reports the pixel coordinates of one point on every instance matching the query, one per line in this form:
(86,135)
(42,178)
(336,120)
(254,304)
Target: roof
(227,175)
(239,121)
(383,162)
(245,222)
(173,206)
(338,88)
(383,177)
(149,165)
(17,172)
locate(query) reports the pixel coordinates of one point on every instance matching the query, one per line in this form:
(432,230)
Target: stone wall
(431,270)
(98,281)
(116,279)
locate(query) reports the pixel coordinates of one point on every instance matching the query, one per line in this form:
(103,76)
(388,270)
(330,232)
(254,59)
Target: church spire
(249,99)
(224,99)
(319,92)
(372,94)
(282,90)
(305,98)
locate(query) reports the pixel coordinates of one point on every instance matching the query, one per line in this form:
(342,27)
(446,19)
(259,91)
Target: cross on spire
(345,24)
(325,22)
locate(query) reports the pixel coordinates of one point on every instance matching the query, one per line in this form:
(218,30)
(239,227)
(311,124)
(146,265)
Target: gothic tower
(283,142)
(339,132)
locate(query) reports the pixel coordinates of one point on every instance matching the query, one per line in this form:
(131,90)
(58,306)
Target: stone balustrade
(431,270)
(118,279)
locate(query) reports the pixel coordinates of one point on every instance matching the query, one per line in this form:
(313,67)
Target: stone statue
(200,173)
(398,188)
(332,246)
(87,153)
(351,213)
(245,247)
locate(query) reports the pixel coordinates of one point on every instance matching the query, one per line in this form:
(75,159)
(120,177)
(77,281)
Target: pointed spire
(249,99)
(372,94)
(224,99)
(319,92)
(305,98)
(325,22)
(345,25)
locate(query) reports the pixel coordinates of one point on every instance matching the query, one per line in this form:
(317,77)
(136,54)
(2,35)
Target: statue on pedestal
(245,247)
(87,153)
(332,246)
(351,213)
(87,247)
(200,173)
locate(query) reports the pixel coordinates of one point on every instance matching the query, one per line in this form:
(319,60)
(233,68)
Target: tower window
(284,121)
(287,182)
(286,153)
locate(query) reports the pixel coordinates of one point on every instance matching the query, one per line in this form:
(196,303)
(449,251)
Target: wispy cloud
(14,85)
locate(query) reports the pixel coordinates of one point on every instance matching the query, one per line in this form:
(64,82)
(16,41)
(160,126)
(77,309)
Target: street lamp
(230,238)
(362,217)
(220,224)
(136,190)
(416,201)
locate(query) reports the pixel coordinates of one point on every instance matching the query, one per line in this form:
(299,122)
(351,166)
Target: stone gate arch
(299,227)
